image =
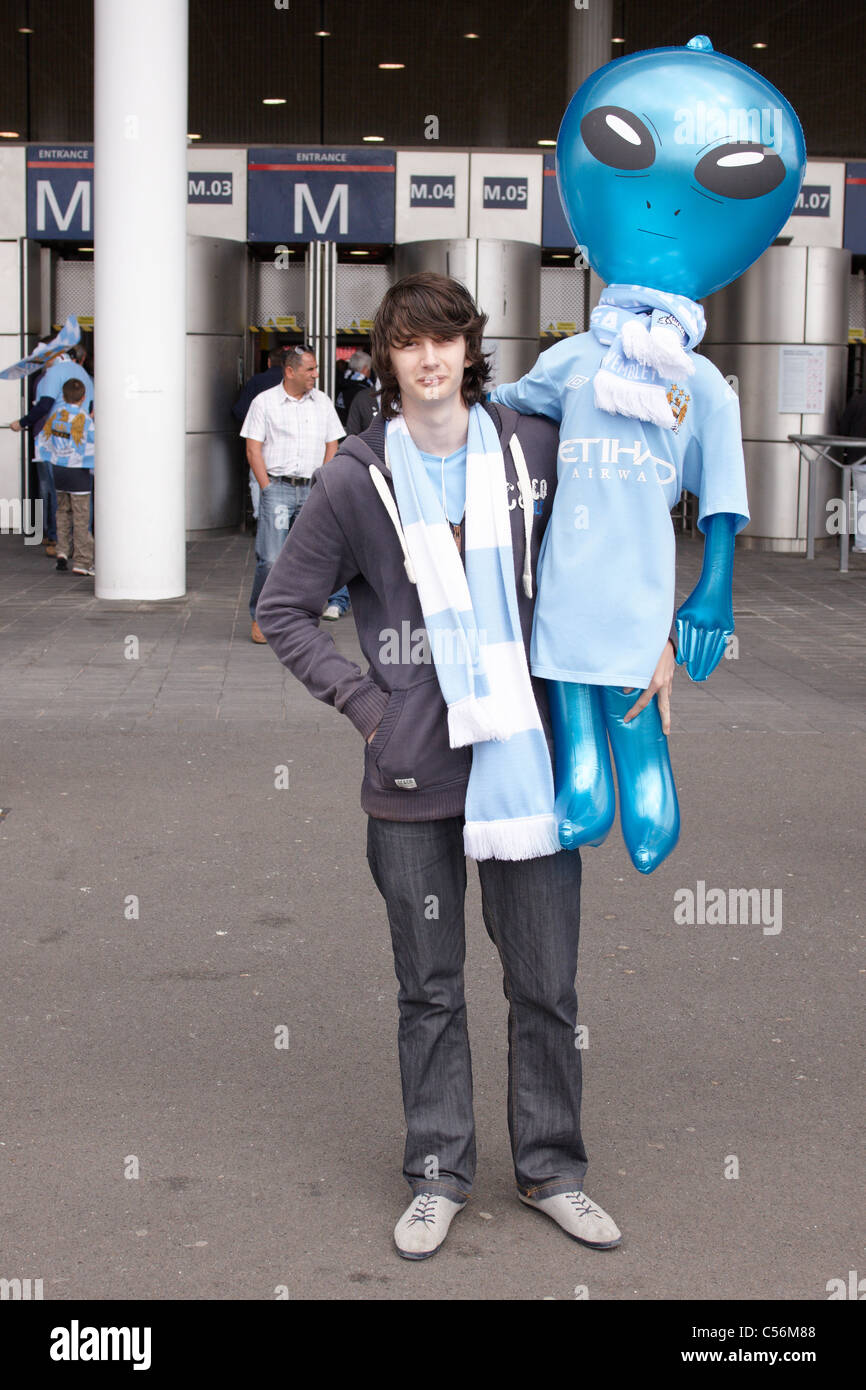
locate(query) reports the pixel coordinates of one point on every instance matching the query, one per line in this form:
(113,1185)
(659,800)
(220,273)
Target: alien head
(677,167)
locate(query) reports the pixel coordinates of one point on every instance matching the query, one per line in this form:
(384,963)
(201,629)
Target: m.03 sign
(208,188)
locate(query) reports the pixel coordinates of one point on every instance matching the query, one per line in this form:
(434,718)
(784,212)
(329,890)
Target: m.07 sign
(813,200)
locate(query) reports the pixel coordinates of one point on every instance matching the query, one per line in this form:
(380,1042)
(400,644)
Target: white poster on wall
(802,380)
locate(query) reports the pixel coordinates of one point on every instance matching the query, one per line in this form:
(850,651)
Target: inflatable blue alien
(677,167)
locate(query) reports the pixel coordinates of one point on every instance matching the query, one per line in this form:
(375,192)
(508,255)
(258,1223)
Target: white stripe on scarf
(485,683)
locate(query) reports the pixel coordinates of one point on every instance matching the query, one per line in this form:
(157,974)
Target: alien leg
(585,802)
(648,807)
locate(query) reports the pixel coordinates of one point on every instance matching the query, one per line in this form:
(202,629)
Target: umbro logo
(576,381)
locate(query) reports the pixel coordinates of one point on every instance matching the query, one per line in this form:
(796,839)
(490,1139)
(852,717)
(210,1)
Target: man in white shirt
(291,430)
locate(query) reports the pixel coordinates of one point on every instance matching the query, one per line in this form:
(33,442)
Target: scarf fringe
(659,348)
(530,837)
(638,400)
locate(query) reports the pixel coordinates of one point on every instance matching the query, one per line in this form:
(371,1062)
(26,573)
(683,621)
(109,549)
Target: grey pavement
(168,908)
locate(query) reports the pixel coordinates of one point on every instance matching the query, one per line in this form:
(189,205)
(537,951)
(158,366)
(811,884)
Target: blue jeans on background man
(48,493)
(340,599)
(532,914)
(279,504)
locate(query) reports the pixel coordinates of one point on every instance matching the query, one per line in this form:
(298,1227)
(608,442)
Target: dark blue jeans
(45,474)
(531,911)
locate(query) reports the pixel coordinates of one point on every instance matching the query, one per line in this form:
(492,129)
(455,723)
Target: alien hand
(703,626)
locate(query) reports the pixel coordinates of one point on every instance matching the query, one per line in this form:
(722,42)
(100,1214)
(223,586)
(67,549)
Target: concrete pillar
(140,126)
(590,30)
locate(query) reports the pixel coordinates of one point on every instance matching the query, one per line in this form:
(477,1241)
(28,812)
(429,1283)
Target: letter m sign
(339,199)
(46,198)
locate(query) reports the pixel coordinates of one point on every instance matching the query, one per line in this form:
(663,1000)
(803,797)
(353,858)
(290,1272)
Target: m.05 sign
(209,188)
(505,193)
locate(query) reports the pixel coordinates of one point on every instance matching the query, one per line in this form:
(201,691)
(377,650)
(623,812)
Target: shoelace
(425,1211)
(583,1204)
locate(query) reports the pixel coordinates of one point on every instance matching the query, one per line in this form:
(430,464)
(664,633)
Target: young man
(376,520)
(291,430)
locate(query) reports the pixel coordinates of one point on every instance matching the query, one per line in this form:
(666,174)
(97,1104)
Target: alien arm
(534,394)
(706,619)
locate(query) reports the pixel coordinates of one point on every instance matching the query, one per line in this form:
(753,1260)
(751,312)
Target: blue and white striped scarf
(473,624)
(651,336)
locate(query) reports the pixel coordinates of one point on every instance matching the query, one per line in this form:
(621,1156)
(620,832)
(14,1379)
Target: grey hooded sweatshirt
(344,535)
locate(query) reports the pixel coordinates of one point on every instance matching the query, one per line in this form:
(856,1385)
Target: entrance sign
(301,195)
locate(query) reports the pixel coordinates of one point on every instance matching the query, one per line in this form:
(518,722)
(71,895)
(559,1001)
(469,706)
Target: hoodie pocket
(411,751)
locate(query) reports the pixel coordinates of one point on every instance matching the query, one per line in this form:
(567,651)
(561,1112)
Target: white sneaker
(579,1218)
(424,1225)
(331,612)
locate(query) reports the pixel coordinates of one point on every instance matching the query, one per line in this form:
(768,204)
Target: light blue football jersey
(606,568)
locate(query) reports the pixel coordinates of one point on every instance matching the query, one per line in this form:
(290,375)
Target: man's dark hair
(431,306)
(73,390)
(294,354)
(276,357)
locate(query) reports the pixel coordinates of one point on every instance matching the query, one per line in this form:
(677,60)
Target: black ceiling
(508,88)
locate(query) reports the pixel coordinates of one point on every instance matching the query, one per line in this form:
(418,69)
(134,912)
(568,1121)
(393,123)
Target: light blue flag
(44,353)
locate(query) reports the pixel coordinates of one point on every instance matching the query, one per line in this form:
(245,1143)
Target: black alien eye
(740,170)
(618,138)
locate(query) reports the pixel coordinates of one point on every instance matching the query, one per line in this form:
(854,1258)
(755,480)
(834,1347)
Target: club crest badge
(678,400)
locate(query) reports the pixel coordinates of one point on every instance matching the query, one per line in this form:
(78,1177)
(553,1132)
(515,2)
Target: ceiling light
(274,101)
(373,139)
(759,45)
(323,33)
(617,40)
(8,134)
(359,253)
(89,249)
(193,137)
(560,256)
(25,30)
(545,142)
(392,67)
(471,36)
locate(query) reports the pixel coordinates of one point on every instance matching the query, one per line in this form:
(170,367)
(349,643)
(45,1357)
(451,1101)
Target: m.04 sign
(431,192)
(209,188)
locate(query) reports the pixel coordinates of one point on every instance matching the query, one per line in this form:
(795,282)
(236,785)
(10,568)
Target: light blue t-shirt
(606,567)
(455,480)
(52,381)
